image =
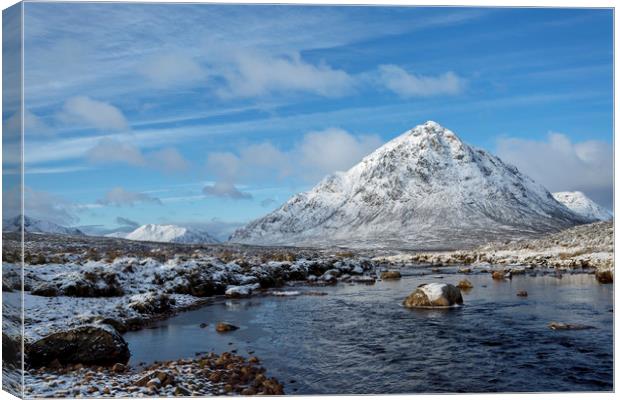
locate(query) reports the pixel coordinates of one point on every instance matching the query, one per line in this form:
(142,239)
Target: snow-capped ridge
(581,204)
(34,225)
(426,188)
(168,234)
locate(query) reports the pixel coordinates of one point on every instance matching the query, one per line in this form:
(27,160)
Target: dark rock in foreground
(89,345)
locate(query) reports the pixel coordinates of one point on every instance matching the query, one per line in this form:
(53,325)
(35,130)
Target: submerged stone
(387,275)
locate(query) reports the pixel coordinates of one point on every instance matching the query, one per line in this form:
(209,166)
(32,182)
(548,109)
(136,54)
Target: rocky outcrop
(88,345)
(242,290)
(151,303)
(431,295)
(90,283)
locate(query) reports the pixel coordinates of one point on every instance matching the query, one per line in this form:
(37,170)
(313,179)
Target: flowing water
(359,339)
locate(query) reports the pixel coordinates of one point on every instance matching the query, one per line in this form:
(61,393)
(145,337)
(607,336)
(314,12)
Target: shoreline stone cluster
(204,375)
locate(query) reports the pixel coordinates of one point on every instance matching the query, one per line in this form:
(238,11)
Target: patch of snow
(433,290)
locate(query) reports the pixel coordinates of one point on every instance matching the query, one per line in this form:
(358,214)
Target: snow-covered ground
(586,246)
(129,291)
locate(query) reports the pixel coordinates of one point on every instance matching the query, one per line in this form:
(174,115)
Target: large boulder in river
(430,295)
(88,345)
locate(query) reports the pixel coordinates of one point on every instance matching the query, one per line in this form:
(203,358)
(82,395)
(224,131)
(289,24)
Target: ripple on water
(359,339)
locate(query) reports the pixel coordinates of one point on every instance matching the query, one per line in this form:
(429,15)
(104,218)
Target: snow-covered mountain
(425,189)
(583,205)
(34,225)
(167,233)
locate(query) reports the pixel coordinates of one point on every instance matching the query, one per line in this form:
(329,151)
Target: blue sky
(215,115)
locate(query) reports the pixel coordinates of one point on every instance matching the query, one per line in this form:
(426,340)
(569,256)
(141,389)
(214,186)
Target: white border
(470,3)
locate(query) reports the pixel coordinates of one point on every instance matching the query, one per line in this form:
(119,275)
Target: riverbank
(204,375)
(587,247)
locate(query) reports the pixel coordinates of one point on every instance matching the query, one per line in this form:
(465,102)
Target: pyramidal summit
(425,189)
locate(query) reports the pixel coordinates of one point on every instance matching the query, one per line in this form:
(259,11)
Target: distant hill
(33,225)
(166,234)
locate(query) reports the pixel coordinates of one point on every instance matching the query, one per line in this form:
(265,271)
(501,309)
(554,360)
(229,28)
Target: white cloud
(172,69)
(562,165)
(225,189)
(110,150)
(168,160)
(120,197)
(333,149)
(318,154)
(93,113)
(408,85)
(252,74)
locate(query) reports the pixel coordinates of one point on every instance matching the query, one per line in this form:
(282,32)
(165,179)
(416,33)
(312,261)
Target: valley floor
(118,286)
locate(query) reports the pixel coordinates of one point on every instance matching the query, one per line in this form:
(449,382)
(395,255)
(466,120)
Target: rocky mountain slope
(167,234)
(34,225)
(425,189)
(583,205)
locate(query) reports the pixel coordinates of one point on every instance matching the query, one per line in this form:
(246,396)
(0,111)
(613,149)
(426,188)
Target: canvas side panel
(12,188)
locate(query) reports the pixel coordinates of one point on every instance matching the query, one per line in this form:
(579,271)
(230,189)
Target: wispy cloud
(225,189)
(109,150)
(254,74)
(92,113)
(407,85)
(317,154)
(172,69)
(112,151)
(120,197)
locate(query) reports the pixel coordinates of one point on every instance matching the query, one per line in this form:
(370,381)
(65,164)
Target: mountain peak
(423,189)
(431,128)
